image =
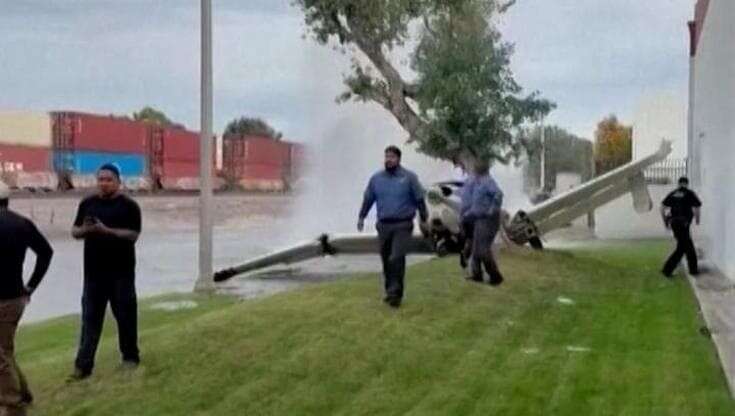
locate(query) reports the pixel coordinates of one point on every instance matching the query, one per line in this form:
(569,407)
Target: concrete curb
(716,296)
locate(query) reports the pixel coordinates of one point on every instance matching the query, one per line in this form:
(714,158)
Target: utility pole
(206,273)
(543,156)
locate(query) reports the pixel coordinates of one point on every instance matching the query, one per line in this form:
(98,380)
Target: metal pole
(543,156)
(206,273)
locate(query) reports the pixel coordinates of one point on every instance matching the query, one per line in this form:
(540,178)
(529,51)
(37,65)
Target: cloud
(592,58)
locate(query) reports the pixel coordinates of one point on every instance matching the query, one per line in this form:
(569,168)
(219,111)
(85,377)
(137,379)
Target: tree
(563,152)
(246,126)
(151,115)
(462,104)
(613,144)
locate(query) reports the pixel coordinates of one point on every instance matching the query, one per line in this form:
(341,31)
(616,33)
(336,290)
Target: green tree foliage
(151,115)
(462,103)
(248,126)
(563,152)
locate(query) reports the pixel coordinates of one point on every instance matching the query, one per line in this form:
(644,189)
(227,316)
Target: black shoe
(393,302)
(78,375)
(496,281)
(129,365)
(474,279)
(667,275)
(26,397)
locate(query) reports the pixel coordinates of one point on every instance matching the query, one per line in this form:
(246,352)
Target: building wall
(714,132)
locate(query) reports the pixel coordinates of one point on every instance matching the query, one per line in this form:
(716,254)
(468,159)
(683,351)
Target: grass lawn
(593,331)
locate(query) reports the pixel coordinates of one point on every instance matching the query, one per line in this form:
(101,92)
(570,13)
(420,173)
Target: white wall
(714,128)
(661,115)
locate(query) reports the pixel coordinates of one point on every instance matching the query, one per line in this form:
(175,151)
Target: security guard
(677,210)
(17,235)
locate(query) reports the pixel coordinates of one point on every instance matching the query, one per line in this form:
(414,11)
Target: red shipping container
(261,171)
(24,159)
(253,149)
(180,144)
(174,153)
(255,157)
(80,131)
(180,169)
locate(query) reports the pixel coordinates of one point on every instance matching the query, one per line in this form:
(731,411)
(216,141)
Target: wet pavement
(167,252)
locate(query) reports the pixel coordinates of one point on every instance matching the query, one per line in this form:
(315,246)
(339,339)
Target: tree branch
(397,88)
(502,8)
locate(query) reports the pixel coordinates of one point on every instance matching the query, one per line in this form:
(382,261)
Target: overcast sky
(592,57)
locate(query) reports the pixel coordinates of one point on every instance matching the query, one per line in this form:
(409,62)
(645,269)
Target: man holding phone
(109,223)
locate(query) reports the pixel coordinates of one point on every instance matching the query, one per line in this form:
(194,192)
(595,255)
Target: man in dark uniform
(398,195)
(109,223)
(480,212)
(677,210)
(17,235)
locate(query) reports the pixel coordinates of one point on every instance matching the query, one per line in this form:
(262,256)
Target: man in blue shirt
(398,195)
(482,200)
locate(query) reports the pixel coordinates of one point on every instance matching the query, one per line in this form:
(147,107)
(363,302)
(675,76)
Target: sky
(591,57)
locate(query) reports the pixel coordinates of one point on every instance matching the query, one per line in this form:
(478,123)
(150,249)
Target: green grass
(454,348)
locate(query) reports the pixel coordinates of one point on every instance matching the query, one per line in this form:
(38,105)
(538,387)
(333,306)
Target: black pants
(394,243)
(120,293)
(684,246)
(484,231)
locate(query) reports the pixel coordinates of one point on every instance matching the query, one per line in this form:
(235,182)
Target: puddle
(572,348)
(174,306)
(564,301)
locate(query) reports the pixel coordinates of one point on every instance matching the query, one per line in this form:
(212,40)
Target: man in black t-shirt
(109,223)
(17,235)
(678,209)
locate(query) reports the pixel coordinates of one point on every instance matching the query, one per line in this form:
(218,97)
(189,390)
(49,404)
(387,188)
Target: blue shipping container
(86,163)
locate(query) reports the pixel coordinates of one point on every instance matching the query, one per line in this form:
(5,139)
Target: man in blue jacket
(398,195)
(482,200)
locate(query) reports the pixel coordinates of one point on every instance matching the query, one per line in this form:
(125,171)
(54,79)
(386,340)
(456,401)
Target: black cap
(111,168)
(684,179)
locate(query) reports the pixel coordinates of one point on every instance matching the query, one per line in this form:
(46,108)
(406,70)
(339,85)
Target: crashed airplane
(441,235)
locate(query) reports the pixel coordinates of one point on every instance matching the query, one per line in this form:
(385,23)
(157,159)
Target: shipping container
(262,171)
(256,158)
(180,144)
(24,159)
(24,128)
(87,162)
(89,181)
(189,183)
(180,169)
(261,185)
(47,181)
(173,158)
(79,131)
(254,149)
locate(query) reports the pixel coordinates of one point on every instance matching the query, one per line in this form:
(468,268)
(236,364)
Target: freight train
(63,150)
